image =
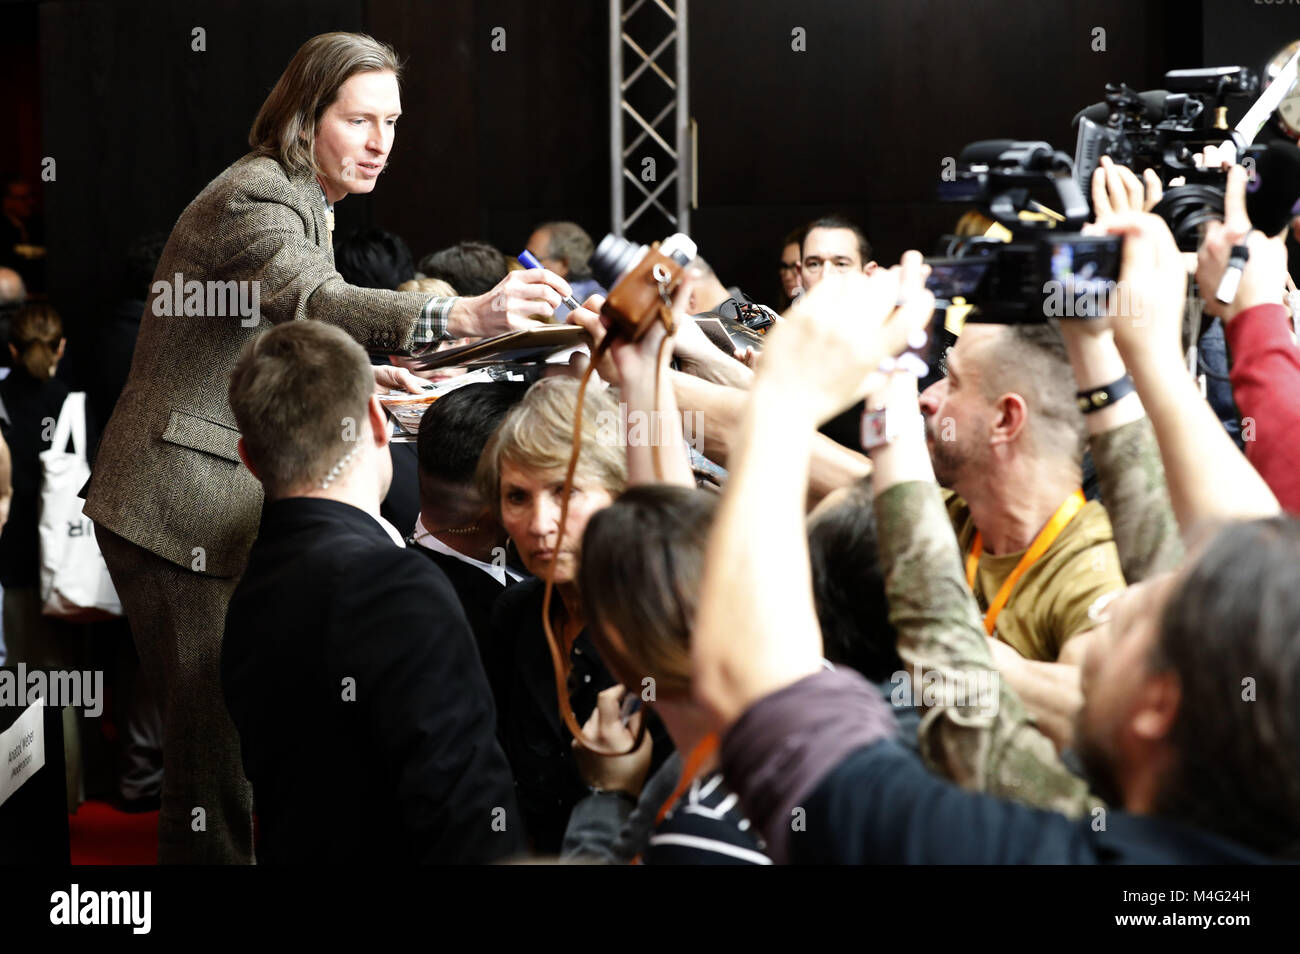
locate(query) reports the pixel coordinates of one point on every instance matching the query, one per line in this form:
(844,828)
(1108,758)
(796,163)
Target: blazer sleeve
(426,703)
(297,278)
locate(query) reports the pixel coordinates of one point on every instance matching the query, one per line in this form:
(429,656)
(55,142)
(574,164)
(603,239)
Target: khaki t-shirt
(1053,598)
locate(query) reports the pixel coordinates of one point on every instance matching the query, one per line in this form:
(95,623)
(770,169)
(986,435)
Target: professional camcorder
(1048,269)
(1165,129)
(1160,129)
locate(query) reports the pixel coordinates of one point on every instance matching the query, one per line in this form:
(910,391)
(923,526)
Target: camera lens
(614,257)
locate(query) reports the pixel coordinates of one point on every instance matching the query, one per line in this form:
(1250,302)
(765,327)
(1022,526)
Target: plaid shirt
(431,326)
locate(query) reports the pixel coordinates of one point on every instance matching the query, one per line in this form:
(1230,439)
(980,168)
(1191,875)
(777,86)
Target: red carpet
(102,835)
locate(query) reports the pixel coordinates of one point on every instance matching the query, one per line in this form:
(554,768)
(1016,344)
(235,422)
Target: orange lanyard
(705,748)
(1046,537)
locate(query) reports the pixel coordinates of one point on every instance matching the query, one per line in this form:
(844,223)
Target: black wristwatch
(1097,399)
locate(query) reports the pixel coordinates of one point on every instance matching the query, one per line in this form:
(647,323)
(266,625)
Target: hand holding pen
(529,260)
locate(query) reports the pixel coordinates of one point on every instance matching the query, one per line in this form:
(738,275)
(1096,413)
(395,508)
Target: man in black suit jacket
(365,720)
(456,529)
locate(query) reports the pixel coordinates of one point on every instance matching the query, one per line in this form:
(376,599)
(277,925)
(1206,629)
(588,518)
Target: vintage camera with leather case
(641,280)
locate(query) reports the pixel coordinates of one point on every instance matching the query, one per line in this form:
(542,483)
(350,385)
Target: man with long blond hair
(176,510)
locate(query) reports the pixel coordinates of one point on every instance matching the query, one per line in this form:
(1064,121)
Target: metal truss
(634,29)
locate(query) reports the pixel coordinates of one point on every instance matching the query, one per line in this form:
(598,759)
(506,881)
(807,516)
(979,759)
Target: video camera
(1165,129)
(1160,129)
(1048,269)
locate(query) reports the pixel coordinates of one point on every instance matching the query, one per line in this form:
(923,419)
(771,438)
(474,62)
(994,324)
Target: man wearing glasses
(833,243)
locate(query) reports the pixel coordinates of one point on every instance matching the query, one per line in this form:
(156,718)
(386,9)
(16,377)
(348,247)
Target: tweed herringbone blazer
(167,476)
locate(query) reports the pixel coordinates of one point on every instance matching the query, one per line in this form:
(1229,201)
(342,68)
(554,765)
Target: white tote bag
(75,584)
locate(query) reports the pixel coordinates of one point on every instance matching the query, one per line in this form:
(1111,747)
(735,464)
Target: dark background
(493,142)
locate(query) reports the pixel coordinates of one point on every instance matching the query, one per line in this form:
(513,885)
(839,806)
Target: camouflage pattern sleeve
(974,728)
(1136,497)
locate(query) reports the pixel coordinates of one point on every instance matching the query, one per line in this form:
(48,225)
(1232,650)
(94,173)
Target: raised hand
(828,352)
(1116,190)
(1152,294)
(1263,280)
(589,319)
(626,358)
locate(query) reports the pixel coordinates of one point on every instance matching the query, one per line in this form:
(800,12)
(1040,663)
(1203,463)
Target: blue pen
(528,260)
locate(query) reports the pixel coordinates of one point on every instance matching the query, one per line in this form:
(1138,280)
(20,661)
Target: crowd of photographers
(1037,608)
(936,649)
(876,574)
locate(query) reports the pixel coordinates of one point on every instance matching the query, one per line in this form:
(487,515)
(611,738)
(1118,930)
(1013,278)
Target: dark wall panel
(1248,32)
(494,141)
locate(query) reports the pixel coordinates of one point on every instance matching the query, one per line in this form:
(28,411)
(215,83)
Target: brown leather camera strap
(559,656)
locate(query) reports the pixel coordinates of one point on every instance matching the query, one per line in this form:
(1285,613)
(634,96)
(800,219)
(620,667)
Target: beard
(945,456)
(946,462)
(1098,766)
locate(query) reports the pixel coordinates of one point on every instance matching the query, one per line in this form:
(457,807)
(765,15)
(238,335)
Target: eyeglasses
(814,265)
